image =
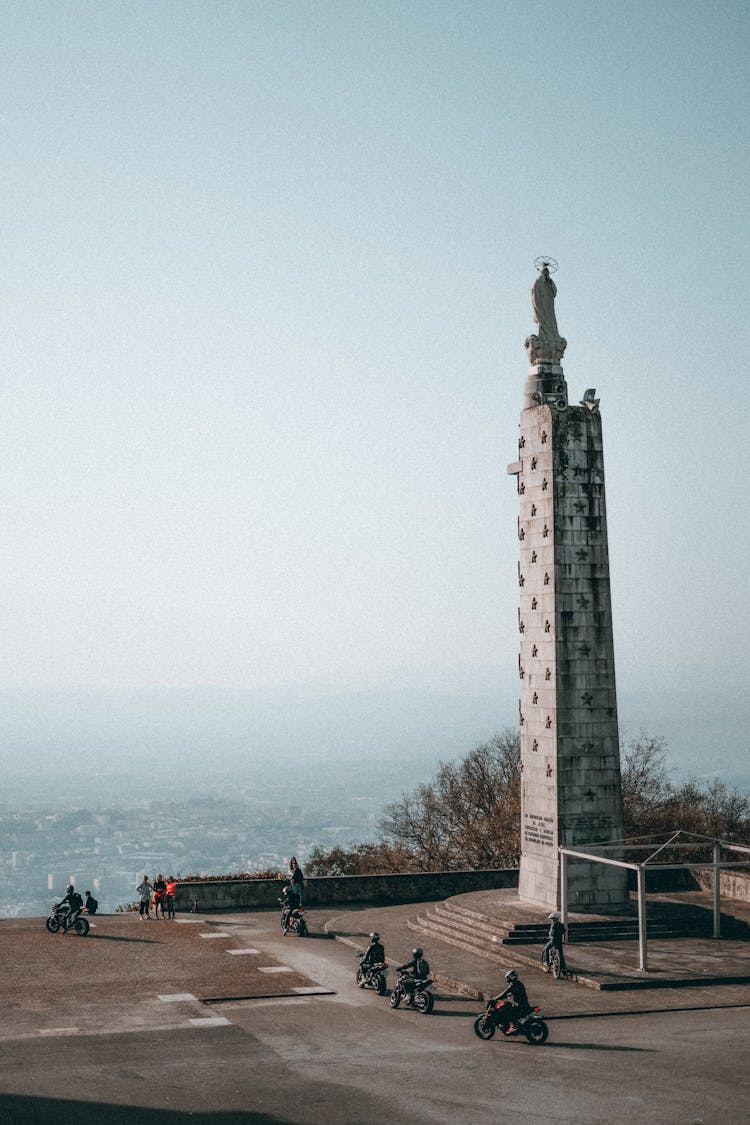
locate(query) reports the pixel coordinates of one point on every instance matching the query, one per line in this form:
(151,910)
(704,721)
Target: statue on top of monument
(543,293)
(549,345)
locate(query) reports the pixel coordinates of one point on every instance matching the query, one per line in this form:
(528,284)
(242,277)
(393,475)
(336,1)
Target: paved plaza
(220,1019)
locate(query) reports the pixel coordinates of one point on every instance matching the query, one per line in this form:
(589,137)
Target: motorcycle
(416,997)
(61,919)
(500,1014)
(373,976)
(295,921)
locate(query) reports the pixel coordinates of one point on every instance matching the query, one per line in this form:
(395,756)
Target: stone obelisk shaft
(571,791)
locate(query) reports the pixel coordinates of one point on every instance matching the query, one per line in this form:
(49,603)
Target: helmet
(416,952)
(511,975)
(374,936)
(286,890)
(555,916)
(69,888)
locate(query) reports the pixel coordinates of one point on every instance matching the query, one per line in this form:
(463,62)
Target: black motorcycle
(294,921)
(61,918)
(498,1014)
(414,992)
(373,976)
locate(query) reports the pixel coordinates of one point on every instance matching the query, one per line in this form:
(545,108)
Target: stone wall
(252,894)
(732,884)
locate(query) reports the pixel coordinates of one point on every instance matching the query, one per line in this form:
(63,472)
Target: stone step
(498,931)
(500,940)
(499,954)
(429,926)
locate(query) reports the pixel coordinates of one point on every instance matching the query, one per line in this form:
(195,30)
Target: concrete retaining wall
(732,884)
(252,894)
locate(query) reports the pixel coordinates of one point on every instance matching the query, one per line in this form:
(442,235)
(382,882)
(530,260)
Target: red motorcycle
(500,1014)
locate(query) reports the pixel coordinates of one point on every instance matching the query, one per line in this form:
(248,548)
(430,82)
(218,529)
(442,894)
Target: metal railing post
(564,888)
(717,890)
(642,939)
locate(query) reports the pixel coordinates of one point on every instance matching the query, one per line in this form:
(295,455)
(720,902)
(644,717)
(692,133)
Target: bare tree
(468,817)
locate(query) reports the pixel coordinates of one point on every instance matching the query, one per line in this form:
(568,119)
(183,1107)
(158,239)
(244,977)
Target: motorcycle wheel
(556,967)
(360,978)
(53,924)
(536,1031)
(484,1027)
(81,926)
(302,928)
(380,985)
(424,1002)
(395,998)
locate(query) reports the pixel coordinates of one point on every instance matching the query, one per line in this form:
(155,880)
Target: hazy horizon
(102,746)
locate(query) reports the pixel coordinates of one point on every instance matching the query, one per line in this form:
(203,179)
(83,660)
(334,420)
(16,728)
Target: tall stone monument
(571,792)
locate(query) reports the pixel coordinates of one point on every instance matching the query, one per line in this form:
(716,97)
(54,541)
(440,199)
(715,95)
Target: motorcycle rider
(555,939)
(74,903)
(418,969)
(515,993)
(374,954)
(291,901)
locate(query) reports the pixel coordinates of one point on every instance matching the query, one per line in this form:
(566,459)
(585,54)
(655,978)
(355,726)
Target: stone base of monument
(503,929)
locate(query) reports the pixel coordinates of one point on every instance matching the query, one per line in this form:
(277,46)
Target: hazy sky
(266,285)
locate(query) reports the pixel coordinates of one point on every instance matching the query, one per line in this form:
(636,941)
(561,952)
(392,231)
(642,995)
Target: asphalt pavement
(220,1020)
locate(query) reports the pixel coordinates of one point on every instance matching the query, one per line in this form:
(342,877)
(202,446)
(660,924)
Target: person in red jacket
(169,897)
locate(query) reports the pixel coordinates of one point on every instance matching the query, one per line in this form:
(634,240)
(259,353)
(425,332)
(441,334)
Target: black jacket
(516,992)
(418,967)
(556,933)
(374,954)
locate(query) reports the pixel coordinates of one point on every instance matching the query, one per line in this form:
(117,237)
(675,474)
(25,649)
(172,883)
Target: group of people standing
(160,893)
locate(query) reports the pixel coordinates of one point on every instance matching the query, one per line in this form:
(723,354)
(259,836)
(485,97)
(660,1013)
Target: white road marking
(171,998)
(213,935)
(275,969)
(241,952)
(268,1001)
(210,1021)
(189,921)
(59,1031)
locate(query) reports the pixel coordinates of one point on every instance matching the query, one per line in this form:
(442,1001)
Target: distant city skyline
(267,273)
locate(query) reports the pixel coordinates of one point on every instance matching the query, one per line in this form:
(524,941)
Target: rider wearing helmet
(515,994)
(74,902)
(291,902)
(375,953)
(418,969)
(555,939)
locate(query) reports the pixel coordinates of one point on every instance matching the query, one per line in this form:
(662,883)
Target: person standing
(296,878)
(160,890)
(169,897)
(144,890)
(555,939)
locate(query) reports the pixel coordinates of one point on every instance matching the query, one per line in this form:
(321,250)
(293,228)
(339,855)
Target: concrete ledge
(732,884)
(253,894)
